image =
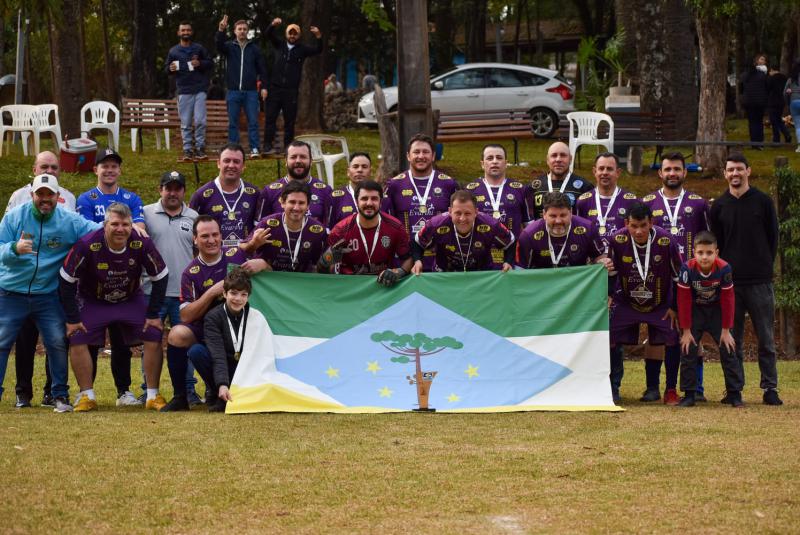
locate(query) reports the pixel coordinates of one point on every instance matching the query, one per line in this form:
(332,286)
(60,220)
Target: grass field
(650,469)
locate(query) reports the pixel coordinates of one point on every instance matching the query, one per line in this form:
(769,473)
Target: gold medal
(674,230)
(602,229)
(232,216)
(496,214)
(423,209)
(236,356)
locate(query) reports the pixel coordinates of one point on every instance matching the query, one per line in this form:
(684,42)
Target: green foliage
(715,8)
(418,341)
(788,287)
(401,360)
(374,11)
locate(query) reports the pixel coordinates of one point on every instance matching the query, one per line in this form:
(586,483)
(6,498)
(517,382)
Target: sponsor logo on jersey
(407,193)
(536,184)
(320,185)
(276,185)
(437,190)
(102,265)
(442,230)
(451,248)
(208,193)
(580,229)
(480,198)
(657,213)
(627,259)
(657,258)
(131,262)
(186,226)
(245,205)
(208,282)
(216,208)
(515,185)
(306,245)
(386,241)
(248,190)
(194,270)
(622,211)
(663,241)
(510,196)
(592,212)
(688,209)
(96,246)
(54,242)
(337,193)
(478,245)
(577,183)
(544,252)
(272,222)
(685,277)
(538,235)
(621,238)
(314,197)
(316,229)
(93,196)
(648,198)
(136,244)
(275,243)
(694,197)
(586,195)
(347,209)
(444,176)
(483,228)
(231,251)
(472,185)
(573,247)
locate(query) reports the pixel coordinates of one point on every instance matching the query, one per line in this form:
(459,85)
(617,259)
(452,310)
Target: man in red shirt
(369,242)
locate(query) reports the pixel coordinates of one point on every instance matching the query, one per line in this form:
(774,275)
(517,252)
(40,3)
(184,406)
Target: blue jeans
(49,317)
(248,99)
(192,110)
(200,358)
(794,110)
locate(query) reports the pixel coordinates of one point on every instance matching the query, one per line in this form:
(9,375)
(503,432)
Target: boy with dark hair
(706,304)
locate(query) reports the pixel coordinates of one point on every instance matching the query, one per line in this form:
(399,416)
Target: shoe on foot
(200,154)
(700,397)
(771,397)
(194,399)
(62,405)
(615,397)
(127,399)
(156,404)
(188,155)
(178,403)
(269,151)
(726,399)
(254,154)
(797,149)
(48,401)
(84,404)
(671,397)
(735,399)
(687,400)
(23,401)
(651,394)
(218,406)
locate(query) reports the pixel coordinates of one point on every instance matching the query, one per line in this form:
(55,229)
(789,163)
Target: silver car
(492,86)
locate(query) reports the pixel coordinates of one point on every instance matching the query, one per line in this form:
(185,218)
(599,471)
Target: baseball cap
(106,153)
(173,176)
(293,27)
(45,180)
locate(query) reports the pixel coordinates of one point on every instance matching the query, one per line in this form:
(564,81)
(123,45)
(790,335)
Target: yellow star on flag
(332,372)
(471,371)
(373,367)
(385,392)
(452,398)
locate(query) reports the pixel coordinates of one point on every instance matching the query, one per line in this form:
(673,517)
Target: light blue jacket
(52,235)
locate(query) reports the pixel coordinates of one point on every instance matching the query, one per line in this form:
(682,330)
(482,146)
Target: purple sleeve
(153,264)
(425,235)
(73,264)
(524,250)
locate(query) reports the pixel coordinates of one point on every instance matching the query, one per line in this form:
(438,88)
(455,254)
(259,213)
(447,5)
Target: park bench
(487,124)
(149,114)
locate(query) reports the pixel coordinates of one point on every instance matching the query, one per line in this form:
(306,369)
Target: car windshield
(443,73)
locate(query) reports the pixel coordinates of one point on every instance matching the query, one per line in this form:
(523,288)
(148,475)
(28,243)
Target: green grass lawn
(650,469)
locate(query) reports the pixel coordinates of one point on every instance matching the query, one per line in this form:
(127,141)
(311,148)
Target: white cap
(45,180)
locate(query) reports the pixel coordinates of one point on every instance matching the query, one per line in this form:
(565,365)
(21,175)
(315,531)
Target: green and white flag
(450,342)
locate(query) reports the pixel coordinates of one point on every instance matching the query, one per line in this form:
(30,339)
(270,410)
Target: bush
(787,293)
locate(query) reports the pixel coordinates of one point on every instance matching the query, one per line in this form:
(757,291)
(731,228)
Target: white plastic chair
(98,112)
(587,124)
(318,156)
(42,125)
(22,120)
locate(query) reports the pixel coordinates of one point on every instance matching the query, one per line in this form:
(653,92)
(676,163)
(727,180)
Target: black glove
(388,277)
(333,255)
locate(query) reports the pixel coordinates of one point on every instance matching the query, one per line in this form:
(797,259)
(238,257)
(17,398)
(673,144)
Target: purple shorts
(624,326)
(129,315)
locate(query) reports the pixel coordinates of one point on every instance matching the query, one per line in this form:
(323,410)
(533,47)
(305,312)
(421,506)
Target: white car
(492,86)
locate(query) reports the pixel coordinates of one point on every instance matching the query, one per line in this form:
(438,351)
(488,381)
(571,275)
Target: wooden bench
(149,114)
(488,125)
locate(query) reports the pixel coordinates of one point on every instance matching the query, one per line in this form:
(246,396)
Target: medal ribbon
(374,238)
(231,209)
(553,258)
(238,339)
(293,255)
(423,200)
(643,270)
(464,259)
(601,217)
(495,201)
(563,184)
(673,216)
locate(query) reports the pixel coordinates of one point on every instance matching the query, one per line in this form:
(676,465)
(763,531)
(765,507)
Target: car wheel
(544,122)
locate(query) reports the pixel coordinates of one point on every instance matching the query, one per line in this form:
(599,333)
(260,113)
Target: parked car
(492,86)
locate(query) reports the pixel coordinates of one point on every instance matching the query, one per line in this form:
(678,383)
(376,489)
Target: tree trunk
(143,56)
(789,43)
(312,90)
(517,24)
(111,91)
(413,87)
(476,30)
(442,39)
(390,139)
(713,34)
(69,84)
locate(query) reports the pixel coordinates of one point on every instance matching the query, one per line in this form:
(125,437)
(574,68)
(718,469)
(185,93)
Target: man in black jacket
(746,226)
(245,68)
(284,81)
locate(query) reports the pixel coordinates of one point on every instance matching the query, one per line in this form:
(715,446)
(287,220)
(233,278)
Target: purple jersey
(235,212)
(665,264)
(580,246)
(110,276)
(510,204)
(404,200)
(292,251)
(318,206)
(343,204)
(199,276)
(464,253)
(692,217)
(614,215)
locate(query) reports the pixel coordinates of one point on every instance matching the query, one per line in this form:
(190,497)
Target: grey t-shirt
(173,239)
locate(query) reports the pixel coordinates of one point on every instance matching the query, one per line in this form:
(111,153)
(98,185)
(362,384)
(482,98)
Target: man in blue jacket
(191,65)
(34,240)
(245,68)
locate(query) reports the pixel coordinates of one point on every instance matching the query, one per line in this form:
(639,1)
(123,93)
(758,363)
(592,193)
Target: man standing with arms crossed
(191,65)
(558,178)
(746,226)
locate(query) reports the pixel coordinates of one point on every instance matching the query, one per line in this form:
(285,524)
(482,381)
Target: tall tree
(476,29)
(713,19)
(69,84)
(311,94)
(108,65)
(143,79)
(442,39)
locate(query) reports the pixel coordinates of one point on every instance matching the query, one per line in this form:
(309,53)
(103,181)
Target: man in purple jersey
(287,241)
(298,166)
(201,289)
(343,200)
(647,262)
(559,178)
(463,239)
(683,214)
(106,266)
(420,193)
(229,199)
(560,239)
(499,197)
(607,205)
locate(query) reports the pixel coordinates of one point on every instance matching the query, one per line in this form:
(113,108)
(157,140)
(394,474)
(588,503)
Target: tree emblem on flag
(411,348)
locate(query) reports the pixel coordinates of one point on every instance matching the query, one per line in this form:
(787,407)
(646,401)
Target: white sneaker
(62,405)
(128,400)
(255,154)
(797,149)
